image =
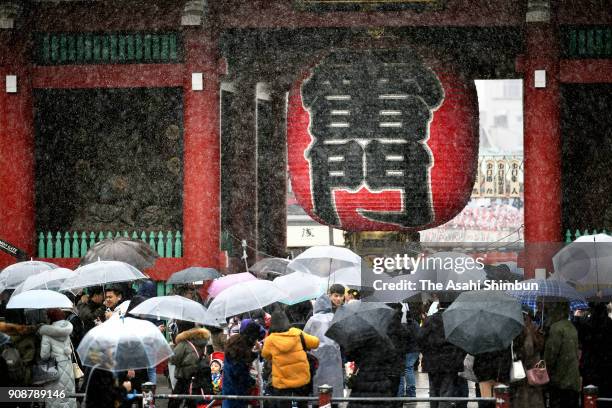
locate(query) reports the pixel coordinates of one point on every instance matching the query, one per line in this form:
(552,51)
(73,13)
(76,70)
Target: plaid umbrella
(550,290)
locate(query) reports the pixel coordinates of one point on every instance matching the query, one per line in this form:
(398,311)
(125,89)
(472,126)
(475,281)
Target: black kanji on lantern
(376,104)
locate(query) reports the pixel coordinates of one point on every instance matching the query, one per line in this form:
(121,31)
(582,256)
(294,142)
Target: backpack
(14,363)
(313,362)
(201,382)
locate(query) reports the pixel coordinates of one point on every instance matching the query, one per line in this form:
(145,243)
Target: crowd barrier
(324,400)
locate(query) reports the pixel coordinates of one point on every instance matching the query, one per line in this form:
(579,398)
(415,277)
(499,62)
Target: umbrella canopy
(52,279)
(358,321)
(224,282)
(124,344)
(102,273)
(39,299)
(241,298)
(270,267)
(299,287)
(171,307)
(193,274)
(324,260)
(13,275)
(135,252)
(483,321)
(550,290)
(587,260)
(601,295)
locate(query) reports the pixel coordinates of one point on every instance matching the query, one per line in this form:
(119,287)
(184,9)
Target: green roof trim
(108,48)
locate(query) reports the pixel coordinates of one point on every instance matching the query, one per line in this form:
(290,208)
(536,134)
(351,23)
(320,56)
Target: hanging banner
(477,182)
(500,178)
(489,178)
(514,177)
(382,140)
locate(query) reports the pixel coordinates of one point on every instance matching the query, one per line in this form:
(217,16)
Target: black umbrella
(270,268)
(358,321)
(483,321)
(193,274)
(135,252)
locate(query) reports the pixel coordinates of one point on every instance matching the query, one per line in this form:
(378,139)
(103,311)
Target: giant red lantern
(382,140)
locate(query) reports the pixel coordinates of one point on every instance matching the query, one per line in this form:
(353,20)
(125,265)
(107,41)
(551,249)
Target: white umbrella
(52,279)
(587,261)
(241,298)
(299,287)
(13,275)
(324,260)
(102,273)
(123,344)
(171,307)
(39,299)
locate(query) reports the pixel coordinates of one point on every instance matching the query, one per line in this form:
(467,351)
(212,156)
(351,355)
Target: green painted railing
(571,236)
(586,42)
(108,48)
(75,244)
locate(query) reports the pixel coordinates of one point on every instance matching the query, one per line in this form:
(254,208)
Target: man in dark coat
(91,309)
(380,363)
(442,361)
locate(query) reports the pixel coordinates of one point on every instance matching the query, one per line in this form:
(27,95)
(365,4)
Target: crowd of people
(283,350)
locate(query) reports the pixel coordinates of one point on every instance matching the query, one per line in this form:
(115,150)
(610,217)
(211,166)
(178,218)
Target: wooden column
(17,216)
(201,156)
(272,179)
(542,141)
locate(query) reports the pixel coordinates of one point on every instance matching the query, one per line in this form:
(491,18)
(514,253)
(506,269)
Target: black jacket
(439,356)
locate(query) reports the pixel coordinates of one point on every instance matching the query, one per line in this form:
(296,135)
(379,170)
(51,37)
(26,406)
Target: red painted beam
(586,71)
(108,76)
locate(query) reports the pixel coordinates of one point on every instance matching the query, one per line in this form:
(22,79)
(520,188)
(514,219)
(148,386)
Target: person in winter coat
(407,387)
(561,356)
(442,361)
(596,336)
(290,368)
(190,347)
(91,308)
(380,363)
(330,370)
(23,338)
(528,347)
(55,343)
(492,369)
(237,379)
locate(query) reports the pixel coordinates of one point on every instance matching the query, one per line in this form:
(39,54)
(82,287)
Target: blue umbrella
(549,290)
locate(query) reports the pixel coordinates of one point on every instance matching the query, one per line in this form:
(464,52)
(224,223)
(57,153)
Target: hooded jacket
(55,343)
(561,351)
(290,367)
(185,358)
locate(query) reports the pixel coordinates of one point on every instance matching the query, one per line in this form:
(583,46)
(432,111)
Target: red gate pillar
(201,154)
(16,148)
(542,139)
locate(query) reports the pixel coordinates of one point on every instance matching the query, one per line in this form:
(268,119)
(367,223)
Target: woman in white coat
(55,343)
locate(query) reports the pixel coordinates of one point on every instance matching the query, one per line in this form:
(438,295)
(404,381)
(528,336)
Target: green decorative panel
(108,48)
(586,42)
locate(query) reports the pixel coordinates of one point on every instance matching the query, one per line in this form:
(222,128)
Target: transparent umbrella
(124,344)
(586,261)
(171,307)
(13,275)
(52,279)
(241,298)
(299,287)
(324,260)
(102,273)
(39,299)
